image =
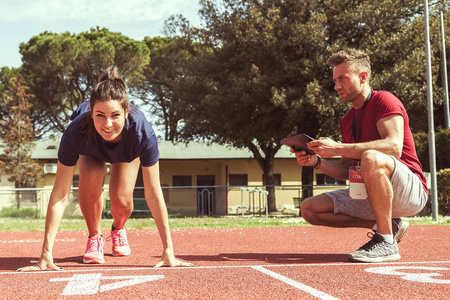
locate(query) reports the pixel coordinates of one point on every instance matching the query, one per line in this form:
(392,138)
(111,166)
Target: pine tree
(18,137)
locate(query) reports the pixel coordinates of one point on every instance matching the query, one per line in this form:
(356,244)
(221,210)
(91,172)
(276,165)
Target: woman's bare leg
(121,187)
(90,197)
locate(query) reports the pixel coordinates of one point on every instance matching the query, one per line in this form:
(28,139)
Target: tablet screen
(298,143)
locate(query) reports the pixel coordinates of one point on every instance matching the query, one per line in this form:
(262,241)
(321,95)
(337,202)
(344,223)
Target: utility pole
(444,73)
(432,148)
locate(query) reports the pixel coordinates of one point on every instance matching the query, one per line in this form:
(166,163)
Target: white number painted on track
(418,277)
(89,284)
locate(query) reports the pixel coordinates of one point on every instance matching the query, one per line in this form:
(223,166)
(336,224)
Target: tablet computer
(298,143)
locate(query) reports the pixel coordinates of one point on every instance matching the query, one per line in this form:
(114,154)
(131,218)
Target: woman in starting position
(107,129)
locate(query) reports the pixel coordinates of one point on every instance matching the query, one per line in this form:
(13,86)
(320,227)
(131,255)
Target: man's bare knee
(307,212)
(375,163)
(312,207)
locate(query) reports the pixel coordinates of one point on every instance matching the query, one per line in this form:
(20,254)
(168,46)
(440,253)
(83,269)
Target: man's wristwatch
(319,159)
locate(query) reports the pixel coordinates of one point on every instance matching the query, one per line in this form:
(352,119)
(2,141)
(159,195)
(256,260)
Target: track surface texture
(232,263)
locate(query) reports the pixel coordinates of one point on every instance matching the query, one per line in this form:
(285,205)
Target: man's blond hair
(358,60)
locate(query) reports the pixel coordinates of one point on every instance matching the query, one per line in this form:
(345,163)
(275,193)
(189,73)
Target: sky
(22,19)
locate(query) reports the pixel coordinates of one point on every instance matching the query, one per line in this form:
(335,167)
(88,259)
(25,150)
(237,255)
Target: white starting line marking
(89,284)
(296,284)
(351,265)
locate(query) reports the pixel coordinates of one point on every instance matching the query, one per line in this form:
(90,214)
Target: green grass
(31,224)
(19,212)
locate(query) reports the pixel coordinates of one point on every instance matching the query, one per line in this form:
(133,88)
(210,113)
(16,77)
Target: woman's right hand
(45,263)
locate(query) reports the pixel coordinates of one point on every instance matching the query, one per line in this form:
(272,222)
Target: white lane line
(349,264)
(296,284)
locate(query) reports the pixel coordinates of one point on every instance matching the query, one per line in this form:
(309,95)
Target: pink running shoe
(120,242)
(94,250)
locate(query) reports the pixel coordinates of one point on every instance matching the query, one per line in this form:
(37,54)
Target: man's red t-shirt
(380,105)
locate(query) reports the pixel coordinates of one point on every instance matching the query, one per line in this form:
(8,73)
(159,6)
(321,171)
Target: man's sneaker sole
(393,257)
(93,261)
(401,231)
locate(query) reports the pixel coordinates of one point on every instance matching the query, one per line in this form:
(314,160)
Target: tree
(6,75)
(265,73)
(259,63)
(61,69)
(399,62)
(168,84)
(18,137)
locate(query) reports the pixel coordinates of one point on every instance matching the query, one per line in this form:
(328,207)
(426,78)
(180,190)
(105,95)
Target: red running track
(232,263)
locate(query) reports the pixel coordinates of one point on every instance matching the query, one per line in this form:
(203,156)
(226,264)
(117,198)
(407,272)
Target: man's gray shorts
(409,196)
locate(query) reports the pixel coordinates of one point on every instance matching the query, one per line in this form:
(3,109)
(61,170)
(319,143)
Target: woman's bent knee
(122,206)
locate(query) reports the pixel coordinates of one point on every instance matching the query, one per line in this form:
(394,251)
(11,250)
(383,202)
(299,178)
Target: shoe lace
(118,238)
(370,244)
(96,244)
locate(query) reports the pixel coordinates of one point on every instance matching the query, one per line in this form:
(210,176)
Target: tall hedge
(443,188)
(442,143)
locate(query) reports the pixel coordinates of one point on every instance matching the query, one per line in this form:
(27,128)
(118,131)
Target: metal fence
(184,200)
(256,196)
(23,202)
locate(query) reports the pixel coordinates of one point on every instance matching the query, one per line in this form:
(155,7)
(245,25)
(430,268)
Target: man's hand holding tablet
(298,143)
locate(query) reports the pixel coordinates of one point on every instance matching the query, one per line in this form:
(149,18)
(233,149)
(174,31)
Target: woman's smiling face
(109,118)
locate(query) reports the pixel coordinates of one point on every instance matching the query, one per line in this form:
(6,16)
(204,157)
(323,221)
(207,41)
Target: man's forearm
(356,150)
(335,169)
